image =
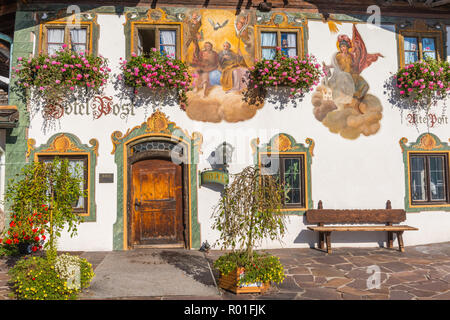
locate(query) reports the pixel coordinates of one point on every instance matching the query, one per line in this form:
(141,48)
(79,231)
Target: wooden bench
(386,216)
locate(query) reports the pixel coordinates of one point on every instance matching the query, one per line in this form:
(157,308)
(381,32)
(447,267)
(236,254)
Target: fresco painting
(342,102)
(219,46)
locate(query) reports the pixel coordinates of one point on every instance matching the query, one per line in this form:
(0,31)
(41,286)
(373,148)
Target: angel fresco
(244,32)
(193,24)
(342,102)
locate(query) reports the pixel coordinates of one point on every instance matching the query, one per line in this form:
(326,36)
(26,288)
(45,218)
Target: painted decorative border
(152,16)
(286,22)
(285,144)
(69,144)
(425,143)
(157,126)
(431,28)
(58,18)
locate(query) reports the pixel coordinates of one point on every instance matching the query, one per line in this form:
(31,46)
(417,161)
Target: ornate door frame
(157,127)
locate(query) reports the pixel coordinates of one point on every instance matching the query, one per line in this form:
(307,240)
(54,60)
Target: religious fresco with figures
(342,102)
(220,47)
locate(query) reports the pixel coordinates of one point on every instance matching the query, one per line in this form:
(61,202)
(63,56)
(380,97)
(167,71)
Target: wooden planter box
(230,282)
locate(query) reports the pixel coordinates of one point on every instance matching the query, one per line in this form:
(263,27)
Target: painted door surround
(156,128)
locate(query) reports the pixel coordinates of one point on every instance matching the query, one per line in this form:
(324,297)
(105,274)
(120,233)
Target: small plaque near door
(106,177)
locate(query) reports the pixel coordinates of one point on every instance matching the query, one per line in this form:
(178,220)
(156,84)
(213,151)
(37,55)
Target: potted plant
(295,74)
(157,71)
(42,199)
(53,77)
(248,212)
(423,83)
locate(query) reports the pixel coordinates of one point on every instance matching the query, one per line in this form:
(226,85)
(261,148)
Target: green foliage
(27,192)
(40,185)
(263,268)
(8,251)
(54,76)
(36,278)
(249,211)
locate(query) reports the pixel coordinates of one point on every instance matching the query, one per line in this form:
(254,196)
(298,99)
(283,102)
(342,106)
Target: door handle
(137,204)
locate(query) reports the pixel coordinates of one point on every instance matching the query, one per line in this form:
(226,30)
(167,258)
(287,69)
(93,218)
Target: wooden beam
(8,8)
(440,3)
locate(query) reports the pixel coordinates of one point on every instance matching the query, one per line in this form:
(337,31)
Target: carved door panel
(156,195)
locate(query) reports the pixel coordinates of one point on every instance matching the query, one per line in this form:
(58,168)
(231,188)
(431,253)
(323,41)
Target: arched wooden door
(156,203)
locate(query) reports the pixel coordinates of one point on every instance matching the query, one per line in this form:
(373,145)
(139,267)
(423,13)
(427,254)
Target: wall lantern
(265,6)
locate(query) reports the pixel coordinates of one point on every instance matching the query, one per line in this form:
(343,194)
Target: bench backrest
(355,216)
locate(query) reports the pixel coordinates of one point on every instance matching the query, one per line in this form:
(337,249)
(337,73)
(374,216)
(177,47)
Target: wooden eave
(9,117)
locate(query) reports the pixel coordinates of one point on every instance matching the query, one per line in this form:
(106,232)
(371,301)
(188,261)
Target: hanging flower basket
(157,71)
(424,83)
(55,76)
(295,75)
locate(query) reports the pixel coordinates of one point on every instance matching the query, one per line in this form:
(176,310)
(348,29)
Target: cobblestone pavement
(422,272)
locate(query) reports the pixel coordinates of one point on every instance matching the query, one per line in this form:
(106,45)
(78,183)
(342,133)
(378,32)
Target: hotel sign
(214,176)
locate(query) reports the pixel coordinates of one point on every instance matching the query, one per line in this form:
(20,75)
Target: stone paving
(422,272)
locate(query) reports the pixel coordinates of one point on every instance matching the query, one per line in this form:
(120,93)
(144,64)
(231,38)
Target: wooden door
(156,203)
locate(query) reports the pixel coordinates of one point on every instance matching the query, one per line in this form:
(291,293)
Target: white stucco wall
(361,173)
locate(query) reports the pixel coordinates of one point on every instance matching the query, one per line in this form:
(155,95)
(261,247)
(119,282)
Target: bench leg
(390,242)
(328,240)
(321,240)
(400,241)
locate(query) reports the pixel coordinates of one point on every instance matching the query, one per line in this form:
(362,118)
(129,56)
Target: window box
(157,71)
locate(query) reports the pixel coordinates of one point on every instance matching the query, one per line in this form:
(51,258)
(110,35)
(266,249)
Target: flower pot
(25,248)
(230,282)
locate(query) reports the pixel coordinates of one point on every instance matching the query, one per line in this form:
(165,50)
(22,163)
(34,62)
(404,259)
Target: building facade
(347,142)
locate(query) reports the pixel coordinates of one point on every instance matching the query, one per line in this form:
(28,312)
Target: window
(55,36)
(287,40)
(289,170)
(77,163)
(429,178)
(415,46)
(162,37)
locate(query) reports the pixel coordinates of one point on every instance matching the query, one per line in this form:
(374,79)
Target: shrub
(157,71)
(54,183)
(249,212)
(27,230)
(55,75)
(36,278)
(424,82)
(8,250)
(263,268)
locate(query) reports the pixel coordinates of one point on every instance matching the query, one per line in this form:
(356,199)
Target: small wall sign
(214,176)
(106,178)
